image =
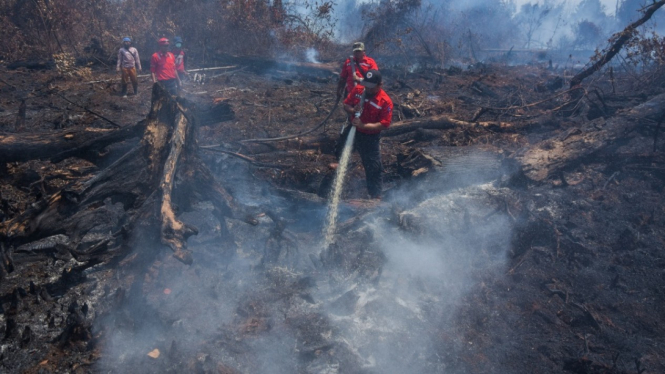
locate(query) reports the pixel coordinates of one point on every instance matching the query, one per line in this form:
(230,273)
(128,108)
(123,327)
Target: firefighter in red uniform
(376,116)
(163,68)
(359,64)
(180,58)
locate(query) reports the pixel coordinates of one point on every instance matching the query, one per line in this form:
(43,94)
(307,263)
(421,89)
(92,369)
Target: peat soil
(465,266)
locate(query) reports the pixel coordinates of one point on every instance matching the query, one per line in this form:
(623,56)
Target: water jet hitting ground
(338,185)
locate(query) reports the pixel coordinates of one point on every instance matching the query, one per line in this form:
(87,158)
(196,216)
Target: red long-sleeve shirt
(376,109)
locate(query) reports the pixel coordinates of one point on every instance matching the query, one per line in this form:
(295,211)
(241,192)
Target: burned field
(521,229)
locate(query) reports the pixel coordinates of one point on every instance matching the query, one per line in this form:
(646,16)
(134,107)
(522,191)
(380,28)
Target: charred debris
(522,230)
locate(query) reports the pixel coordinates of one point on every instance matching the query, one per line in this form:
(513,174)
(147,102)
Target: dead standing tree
(95,216)
(619,40)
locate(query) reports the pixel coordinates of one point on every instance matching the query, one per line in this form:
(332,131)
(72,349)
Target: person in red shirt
(358,63)
(376,116)
(163,69)
(180,58)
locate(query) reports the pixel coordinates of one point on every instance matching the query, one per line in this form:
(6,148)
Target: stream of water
(338,186)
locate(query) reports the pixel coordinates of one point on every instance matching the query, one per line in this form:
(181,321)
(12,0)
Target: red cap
(163,41)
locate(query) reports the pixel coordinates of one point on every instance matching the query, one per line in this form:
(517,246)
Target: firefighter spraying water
(371,109)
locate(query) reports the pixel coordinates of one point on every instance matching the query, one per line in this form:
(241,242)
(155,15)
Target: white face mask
(178,45)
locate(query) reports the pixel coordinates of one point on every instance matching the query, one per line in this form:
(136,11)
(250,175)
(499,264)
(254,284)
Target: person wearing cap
(358,63)
(128,64)
(376,116)
(179,54)
(163,69)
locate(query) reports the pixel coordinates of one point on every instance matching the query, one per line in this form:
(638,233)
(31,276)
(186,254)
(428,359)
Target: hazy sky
(610,5)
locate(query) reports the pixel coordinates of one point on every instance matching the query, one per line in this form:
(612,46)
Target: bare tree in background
(533,16)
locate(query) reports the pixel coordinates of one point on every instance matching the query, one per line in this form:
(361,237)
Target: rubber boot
(124,91)
(136,89)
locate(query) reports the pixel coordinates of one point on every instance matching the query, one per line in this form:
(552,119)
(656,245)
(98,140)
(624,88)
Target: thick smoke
(312,55)
(242,307)
(462,31)
(440,248)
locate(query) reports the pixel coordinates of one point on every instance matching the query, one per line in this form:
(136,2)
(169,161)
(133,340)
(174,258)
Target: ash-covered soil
(466,266)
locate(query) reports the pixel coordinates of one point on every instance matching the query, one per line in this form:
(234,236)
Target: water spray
(331,218)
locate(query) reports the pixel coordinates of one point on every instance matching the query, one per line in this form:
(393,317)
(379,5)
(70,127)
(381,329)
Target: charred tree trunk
(96,216)
(548,158)
(57,146)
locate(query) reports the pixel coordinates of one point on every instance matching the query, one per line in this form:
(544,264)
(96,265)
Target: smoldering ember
(167,175)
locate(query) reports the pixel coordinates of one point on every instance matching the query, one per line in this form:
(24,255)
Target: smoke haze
(258,305)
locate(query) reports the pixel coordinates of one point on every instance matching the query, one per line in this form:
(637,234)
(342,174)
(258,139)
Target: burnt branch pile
(93,216)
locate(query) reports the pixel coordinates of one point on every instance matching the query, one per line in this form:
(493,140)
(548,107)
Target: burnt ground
(467,266)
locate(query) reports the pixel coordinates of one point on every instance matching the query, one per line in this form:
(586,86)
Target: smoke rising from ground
(260,314)
(441,249)
(312,55)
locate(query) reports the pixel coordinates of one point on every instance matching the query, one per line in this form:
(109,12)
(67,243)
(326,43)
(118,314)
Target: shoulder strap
(129,50)
(359,70)
(126,51)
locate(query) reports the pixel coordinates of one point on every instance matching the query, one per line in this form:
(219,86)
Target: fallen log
(440,123)
(548,158)
(148,75)
(174,233)
(137,189)
(262,64)
(324,142)
(62,144)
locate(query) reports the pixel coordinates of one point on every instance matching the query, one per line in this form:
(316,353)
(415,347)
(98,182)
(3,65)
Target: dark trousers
(171,86)
(368,146)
